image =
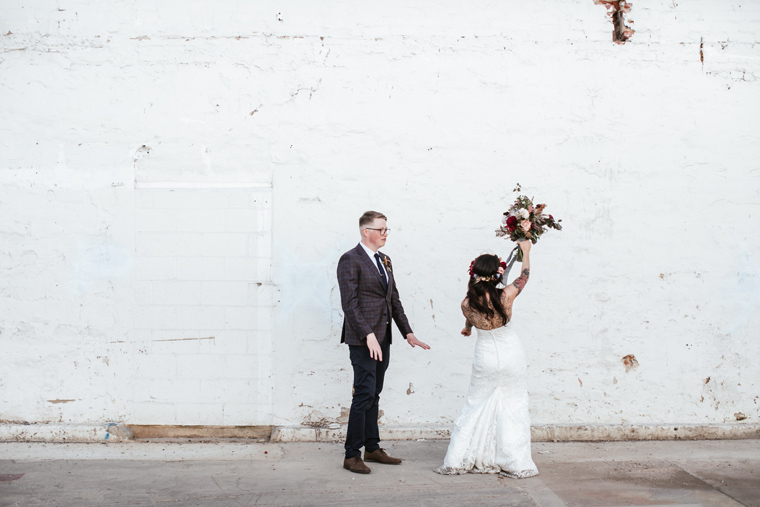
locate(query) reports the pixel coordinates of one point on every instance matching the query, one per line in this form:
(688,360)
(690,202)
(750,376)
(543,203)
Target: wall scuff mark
(185,339)
(702,52)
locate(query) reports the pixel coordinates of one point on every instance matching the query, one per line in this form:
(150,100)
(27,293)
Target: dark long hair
(486,266)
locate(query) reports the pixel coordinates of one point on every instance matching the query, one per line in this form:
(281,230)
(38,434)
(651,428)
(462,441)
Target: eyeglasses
(383,232)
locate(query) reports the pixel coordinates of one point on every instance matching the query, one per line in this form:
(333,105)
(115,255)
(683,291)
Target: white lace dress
(492,433)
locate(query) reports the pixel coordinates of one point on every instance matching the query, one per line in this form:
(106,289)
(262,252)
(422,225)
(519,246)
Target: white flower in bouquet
(524,221)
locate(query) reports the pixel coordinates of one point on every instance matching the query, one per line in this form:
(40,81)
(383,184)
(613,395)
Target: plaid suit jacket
(367,307)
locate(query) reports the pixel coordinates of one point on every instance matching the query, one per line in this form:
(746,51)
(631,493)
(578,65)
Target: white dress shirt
(372,258)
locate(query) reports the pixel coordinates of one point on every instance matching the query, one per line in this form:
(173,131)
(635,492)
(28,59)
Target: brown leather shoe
(356,465)
(379,456)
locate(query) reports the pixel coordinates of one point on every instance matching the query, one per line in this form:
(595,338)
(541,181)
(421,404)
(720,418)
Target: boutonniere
(387,264)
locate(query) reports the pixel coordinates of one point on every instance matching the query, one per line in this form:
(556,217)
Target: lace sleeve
(479,320)
(466,311)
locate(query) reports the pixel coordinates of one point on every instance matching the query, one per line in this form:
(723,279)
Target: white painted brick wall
(158,163)
(201,319)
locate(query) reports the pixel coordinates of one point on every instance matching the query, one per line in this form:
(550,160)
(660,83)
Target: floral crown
(491,278)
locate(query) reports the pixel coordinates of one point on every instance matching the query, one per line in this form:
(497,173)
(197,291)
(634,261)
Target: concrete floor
(221,474)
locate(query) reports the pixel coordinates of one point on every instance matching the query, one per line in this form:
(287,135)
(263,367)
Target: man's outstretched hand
(414,342)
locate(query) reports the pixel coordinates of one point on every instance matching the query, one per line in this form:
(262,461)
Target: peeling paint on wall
(630,362)
(617,11)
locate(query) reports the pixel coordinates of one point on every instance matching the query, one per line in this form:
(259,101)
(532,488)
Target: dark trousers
(369,375)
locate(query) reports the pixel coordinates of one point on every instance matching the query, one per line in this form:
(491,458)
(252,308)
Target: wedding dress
(492,433)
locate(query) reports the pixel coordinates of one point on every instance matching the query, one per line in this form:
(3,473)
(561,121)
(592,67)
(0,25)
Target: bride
(492,433)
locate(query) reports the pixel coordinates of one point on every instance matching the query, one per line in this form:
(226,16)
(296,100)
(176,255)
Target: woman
(492,434)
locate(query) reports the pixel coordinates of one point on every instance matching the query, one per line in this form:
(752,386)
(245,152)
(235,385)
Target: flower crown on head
(491,278)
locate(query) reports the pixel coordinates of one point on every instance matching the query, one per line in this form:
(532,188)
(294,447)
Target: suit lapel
(363,255)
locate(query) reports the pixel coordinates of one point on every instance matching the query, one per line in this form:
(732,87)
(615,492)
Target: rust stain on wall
(55,402)
(616,10)
(630,362)
(702,52)
(343,417)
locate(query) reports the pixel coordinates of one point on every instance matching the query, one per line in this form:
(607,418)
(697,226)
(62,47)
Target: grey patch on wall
(120,430)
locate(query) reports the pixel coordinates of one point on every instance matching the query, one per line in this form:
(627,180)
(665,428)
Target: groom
(369,299)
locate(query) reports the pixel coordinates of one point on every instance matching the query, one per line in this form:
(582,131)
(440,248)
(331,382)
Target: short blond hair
(369,216)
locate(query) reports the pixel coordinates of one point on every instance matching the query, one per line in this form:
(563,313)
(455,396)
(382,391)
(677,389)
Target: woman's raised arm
(518,284)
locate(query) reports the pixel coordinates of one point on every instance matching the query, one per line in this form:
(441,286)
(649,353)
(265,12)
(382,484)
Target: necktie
(382,271)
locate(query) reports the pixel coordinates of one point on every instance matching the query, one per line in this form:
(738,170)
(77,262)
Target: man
(369,299)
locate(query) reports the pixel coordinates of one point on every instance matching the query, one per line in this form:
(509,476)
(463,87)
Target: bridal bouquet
(524,221)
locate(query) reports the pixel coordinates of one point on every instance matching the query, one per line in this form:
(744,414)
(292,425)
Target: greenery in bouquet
(525,221)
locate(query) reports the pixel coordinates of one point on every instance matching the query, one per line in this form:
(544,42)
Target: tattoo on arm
(521,280)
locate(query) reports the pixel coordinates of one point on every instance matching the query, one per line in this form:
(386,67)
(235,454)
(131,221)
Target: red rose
(512,223)
(503,265)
